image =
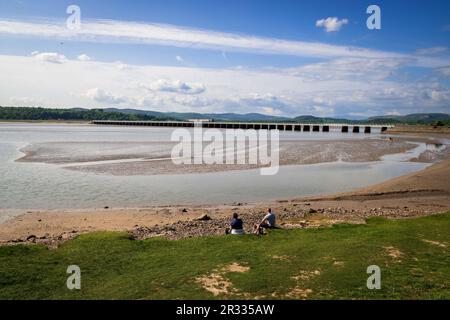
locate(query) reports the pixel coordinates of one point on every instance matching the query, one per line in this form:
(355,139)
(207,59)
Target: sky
(286,58)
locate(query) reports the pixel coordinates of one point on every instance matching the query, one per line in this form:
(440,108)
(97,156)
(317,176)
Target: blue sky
(273,57)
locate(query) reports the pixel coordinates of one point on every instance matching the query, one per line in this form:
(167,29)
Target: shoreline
(419,129)
(424,192)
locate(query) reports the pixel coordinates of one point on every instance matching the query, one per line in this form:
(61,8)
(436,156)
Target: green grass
(115,267)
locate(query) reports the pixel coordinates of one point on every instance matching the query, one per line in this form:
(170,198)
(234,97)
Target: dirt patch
(218,284)
(394,253)
(280,257)
(338,263)
(235,267)
(435,243)
(306,275)
(299,293)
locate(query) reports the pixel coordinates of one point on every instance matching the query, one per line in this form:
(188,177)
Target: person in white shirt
(268,222)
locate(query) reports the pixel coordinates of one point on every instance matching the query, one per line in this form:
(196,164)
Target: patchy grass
(324,263)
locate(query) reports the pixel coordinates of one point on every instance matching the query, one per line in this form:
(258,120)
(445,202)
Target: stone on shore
(204,217)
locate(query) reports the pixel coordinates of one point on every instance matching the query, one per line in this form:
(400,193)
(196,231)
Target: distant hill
(215,116)
(313,119)
(421,118)
(136,112)
(25,113)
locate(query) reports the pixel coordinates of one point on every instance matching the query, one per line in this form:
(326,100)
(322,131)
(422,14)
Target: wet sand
(421,193)
(127,159)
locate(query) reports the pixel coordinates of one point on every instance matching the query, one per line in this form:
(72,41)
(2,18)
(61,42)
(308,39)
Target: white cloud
(271,111)
(431,51)
(340,87)
(120,65)
(331,24)
(112,31)
(27,101)
(323,111)
(177,86)
(102,96)
(441,95)
(266,100)
(179,59)
(84,57)
(356,69)
(444,71)
(322,101)
(147,33)
(51,57)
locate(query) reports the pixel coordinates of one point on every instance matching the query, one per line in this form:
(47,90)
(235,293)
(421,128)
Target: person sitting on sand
(268,222)
(236,225)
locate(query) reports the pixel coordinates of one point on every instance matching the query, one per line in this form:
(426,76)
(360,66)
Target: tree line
(34,113)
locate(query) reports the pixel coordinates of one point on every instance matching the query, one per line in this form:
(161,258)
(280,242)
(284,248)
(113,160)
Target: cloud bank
(147,33)
(342,87)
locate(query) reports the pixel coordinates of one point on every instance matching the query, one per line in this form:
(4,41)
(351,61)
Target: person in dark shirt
(236,225)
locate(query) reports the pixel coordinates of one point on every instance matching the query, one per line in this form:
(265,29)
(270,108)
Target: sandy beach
(421,193)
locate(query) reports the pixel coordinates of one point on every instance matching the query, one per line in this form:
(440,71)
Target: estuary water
(40,185)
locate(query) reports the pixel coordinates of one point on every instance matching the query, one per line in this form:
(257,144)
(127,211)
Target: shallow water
(26,185)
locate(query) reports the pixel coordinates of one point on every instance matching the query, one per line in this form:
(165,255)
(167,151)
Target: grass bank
(326,263)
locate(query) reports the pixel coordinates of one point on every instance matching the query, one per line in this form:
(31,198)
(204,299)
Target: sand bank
(127,159)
